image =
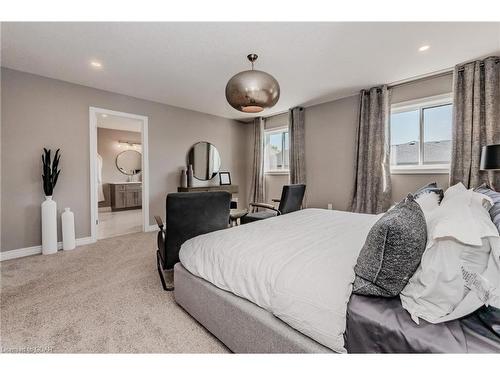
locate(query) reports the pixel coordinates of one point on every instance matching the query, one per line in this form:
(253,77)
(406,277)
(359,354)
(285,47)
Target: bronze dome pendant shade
(252,91)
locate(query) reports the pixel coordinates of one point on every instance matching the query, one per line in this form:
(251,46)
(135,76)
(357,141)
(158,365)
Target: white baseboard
(152,228)
(34,250)
(18,253)
(82,241)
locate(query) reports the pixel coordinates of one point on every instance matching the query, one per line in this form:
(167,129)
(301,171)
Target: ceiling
(118,123)
(188,64)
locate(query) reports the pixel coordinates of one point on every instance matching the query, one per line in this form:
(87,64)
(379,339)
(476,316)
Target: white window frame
(420,105)
(275,130)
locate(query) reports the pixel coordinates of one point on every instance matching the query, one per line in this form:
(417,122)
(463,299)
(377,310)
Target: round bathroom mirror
(129,162)
(205,159)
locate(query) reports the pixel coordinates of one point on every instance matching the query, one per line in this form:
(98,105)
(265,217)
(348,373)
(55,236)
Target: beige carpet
(104,298)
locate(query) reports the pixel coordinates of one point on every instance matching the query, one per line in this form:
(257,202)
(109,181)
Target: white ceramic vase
(49,226)
(68,229)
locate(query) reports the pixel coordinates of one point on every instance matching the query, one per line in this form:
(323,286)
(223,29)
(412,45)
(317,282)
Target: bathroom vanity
(126,195)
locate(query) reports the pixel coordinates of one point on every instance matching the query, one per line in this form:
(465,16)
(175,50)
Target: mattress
(381,325)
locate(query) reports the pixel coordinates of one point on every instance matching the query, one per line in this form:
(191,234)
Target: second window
(421,134)
(276,151)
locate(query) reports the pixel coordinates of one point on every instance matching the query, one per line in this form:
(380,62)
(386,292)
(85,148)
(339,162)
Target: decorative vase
(190,175)
(184,181)
(49,226)
(68,229)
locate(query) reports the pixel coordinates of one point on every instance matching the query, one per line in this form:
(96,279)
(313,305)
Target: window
(421,135)
(276,151)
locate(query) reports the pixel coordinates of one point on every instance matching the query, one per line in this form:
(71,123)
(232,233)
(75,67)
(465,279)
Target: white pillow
(437,286)
(460,236)
(462,215)
(428,202)
(453,190)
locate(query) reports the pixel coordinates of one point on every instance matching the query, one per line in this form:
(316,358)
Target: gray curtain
(297,145)
(257,183)
(372,186)
(476,119)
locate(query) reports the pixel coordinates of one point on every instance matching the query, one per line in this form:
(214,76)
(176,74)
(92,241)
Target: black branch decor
(50,171)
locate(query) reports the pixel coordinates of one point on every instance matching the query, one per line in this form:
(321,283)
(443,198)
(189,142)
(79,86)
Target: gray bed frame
(240,324)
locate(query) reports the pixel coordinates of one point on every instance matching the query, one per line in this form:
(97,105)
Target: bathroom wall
(109,148)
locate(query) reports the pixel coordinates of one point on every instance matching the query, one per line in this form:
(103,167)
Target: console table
(233,189)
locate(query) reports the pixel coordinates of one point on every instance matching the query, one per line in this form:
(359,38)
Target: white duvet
(298,266)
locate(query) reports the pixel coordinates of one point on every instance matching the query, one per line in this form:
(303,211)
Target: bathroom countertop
(125,182)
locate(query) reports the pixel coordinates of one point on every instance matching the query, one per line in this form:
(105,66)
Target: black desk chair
(188,216)
(291,200)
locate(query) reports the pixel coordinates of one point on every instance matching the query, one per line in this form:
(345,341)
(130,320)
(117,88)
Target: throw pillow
(428,202)
(462,244)
(392,251)
(429,188)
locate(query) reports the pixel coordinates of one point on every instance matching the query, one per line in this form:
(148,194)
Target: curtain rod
(439,73)
(481,63)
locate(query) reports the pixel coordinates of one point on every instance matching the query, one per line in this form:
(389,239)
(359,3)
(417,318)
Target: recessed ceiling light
(104,115)
(424,48)
(96,64)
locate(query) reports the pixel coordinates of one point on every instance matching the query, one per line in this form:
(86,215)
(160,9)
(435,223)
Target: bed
(240,324)
(276,286)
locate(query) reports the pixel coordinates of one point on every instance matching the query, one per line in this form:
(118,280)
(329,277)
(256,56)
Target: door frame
(93,111)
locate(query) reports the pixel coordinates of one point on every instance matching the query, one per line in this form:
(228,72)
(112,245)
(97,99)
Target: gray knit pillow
(392,251)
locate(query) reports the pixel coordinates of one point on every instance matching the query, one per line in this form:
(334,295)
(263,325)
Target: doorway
(118,173)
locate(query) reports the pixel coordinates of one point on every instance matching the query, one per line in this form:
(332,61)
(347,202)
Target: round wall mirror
(129,162)
(205,159)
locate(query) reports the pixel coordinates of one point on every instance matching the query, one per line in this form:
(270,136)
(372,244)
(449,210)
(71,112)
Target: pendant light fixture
(252,91)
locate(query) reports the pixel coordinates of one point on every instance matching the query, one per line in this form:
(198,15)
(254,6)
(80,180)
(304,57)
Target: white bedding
(462,240)
(299,266)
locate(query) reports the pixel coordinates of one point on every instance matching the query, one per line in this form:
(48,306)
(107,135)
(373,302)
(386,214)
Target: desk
(232,189)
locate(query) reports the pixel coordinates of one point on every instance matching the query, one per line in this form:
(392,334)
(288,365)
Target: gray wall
(277,121)
(330,148)
(330,141)
(41,112)
(107,147)
(38,112)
